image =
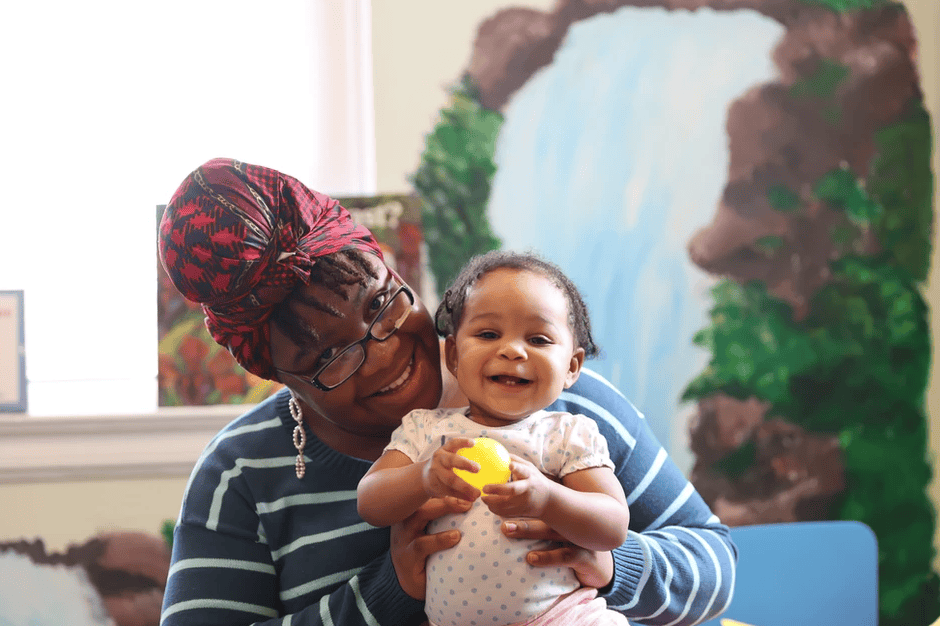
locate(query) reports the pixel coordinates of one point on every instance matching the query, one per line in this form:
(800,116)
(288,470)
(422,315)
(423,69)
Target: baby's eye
(540,341)
(487,334)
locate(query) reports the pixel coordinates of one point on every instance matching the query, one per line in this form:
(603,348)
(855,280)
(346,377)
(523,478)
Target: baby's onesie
(485,578)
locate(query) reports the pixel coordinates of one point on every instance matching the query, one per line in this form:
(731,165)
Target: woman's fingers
(593,569)
(435,508)
(427,545)
(568,555)
(529,529)
(410,545)
(457,505)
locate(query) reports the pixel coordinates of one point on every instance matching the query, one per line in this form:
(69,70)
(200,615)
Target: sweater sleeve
(678,563)
(217,578)
(256,546)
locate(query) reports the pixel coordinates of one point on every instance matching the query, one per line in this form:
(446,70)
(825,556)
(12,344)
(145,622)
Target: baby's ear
(450,354)
(574,367)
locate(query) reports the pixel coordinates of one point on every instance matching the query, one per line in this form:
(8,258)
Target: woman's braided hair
(450,311)
(335,272)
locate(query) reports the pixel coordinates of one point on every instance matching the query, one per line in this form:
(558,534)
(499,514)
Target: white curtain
(107,106)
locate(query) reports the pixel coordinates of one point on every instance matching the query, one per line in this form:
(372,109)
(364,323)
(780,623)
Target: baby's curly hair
(450,311)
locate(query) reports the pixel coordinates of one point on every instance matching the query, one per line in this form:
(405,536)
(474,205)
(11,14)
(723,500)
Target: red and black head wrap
(238,238)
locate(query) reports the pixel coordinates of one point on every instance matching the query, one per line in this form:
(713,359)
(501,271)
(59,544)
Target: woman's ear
(450,354)
(574,367)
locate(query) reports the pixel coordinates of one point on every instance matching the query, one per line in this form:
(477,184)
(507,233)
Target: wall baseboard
(163,444)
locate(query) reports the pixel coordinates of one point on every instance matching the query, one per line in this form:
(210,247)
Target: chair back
(804,574)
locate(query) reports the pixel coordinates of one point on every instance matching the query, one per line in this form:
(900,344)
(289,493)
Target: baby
(517,333)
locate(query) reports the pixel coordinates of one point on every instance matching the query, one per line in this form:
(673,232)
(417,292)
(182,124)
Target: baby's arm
(588,508)
(395,487)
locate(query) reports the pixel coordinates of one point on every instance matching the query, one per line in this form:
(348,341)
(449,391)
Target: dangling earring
(300,436)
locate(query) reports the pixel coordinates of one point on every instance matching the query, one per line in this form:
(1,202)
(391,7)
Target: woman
(268,531)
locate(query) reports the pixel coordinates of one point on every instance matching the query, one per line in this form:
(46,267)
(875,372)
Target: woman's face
(399,374)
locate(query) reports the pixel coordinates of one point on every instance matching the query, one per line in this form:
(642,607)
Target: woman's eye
(378,301)
(324,357)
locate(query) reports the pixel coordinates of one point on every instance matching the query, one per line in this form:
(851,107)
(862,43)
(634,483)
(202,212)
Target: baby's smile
(510,380)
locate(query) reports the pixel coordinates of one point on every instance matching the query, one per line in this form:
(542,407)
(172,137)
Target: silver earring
(300,436)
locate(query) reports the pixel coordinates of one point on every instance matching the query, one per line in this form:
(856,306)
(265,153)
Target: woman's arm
(223,580)
(678,562)
(255,545)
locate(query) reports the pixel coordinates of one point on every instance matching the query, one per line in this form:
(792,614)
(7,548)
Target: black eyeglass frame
(361,343)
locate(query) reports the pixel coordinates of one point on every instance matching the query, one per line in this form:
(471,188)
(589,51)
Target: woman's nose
(378,355)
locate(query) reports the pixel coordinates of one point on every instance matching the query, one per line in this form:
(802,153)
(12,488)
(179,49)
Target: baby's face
(514,351)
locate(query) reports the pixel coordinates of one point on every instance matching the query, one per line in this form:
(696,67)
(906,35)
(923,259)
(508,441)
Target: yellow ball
(493,459)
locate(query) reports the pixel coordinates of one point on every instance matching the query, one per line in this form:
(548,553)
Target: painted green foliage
(848,5)
(453,181)
(857,366)
(166,531)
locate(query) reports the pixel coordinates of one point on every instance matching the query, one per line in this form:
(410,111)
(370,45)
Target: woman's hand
(411,546)
(438,475)
(593,569)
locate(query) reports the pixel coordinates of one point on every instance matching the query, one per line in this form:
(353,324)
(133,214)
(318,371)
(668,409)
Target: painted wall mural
(742,189)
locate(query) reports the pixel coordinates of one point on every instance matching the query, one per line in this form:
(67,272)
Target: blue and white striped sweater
(255,545)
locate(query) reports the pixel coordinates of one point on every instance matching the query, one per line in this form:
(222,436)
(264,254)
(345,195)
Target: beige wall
(926,15)
(420,47)
(65,513)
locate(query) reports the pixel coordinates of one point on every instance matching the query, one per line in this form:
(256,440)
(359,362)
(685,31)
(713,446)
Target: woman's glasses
(341,367)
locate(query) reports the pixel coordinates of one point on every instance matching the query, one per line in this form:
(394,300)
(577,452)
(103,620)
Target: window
(108,105)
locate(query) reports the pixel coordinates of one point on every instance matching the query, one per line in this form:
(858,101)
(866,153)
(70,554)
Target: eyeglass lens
(392,317)
(346,364)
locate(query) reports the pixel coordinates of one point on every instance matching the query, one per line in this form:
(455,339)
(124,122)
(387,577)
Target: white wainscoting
(62,449)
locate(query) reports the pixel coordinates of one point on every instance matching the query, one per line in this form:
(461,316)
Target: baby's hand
(438,475)
(526,496)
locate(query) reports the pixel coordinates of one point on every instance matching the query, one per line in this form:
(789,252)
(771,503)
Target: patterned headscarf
(239,238)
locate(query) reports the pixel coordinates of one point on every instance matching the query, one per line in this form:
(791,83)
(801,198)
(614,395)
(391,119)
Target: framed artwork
(12,353)
(395,220)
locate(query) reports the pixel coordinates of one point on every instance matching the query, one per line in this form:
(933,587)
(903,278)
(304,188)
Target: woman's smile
(398,382)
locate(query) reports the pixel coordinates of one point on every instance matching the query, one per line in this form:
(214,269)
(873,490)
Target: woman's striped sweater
(255,545)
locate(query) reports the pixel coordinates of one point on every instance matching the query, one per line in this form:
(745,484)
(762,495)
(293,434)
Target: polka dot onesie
(485,579)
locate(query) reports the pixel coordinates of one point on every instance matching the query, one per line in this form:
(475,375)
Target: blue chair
(804,574)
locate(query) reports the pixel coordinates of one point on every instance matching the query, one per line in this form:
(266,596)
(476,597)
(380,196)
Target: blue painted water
(609,160)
